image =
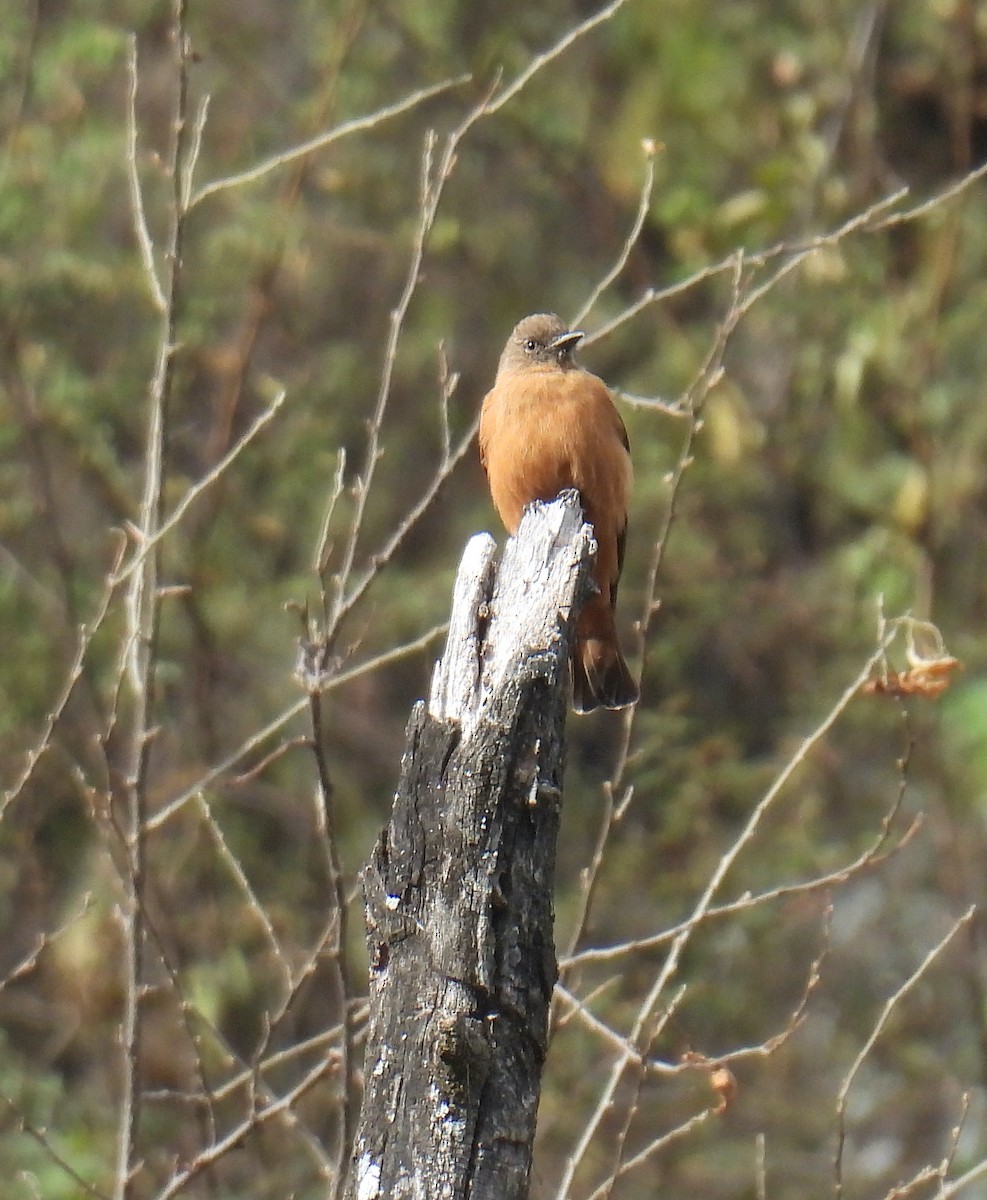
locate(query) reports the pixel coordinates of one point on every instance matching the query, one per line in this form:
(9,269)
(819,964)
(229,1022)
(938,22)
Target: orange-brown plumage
(548,425)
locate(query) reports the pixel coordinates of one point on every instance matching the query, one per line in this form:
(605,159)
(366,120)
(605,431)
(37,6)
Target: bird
(547,425)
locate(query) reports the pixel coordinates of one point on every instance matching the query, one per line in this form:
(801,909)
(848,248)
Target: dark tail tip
(600,678)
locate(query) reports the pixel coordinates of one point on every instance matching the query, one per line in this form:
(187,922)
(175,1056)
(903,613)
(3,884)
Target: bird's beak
(568,340)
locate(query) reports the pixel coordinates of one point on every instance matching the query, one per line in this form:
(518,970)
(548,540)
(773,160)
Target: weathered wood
(459,887)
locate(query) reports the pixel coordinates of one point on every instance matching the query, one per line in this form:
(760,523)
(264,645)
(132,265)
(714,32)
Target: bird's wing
(621,429)
(484,433)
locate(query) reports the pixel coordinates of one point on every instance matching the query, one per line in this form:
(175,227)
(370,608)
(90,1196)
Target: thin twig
(580,1009)
(337,953)
(45,939)
(277,724)
(209,1155)
(870,858)
(889,1006)
(873,219)
(690,1062)
(861,222)
(693,401)
(148,543)
(954,1144)
(143,607)
(357,125)
(434,176)
(144,243)
(324,546)
(620,1141)
(654,1147)
(962,1182)
(760,1167)
(41,1137)
(724,865)
(192,155)
(643,207)
(552,53)
(383,556)
(448,382)
(933,202)
(190,1017)
(254,905)
(75,674)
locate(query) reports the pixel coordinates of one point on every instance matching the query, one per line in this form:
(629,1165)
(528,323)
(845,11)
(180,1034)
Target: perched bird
(548,425)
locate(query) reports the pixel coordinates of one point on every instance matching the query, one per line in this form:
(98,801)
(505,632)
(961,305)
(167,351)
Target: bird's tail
(600,677)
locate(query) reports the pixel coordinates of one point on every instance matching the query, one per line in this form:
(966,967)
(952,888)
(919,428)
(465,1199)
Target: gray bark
(459,887)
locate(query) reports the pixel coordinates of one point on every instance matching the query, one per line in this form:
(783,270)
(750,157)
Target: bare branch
(236,870)
(139,651)
(890,1005)
(552,53)
(324,547)
(692,402)
(43,744)
(861,222)
(580,1009)
(961,185)
(873,219)
(212,1154)
(728,859)
(357,125)
(644,204)
(760,1167)
(172,807)
(410,519)
(192,156)
(871,857)
(326,826)
(655,1146)
(433,179)
(144,243)
(149,543)
(41,1137)
(978,1171)
(955,1186)
(30,960)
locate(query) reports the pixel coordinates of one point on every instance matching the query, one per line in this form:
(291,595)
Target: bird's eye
(531,345)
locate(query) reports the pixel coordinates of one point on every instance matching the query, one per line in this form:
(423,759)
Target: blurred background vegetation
(841,459)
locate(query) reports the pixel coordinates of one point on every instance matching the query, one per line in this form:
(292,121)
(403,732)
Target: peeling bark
(459,887)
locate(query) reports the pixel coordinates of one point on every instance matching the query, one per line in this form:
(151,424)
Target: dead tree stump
(459,887)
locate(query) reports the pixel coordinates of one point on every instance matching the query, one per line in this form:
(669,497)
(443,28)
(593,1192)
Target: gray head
(541,340)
